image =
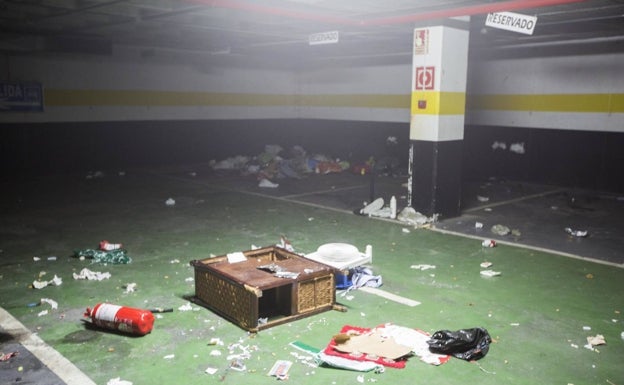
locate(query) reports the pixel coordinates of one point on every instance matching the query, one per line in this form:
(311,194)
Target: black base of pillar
(436,178)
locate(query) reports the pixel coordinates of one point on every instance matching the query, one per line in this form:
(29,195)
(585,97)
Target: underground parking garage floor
(554,289)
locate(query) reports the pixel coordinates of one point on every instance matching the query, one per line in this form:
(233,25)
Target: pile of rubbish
(276,163)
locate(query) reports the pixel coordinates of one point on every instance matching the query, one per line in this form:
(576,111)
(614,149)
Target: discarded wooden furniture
(261,288)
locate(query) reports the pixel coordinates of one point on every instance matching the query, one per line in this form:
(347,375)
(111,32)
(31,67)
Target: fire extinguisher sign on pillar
(121,318)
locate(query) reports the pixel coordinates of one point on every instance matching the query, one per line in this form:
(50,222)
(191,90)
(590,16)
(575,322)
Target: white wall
(572,92)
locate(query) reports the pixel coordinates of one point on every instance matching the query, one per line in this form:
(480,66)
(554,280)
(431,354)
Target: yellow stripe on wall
(601,103)
(438,103)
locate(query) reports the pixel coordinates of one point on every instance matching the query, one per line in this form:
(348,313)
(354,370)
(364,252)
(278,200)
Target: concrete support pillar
(440,63)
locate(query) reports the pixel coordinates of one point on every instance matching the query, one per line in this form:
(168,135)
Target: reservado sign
(512,22)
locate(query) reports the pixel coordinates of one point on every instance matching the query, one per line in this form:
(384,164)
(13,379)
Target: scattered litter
(169,356)
(500,229)
(117,256)
(53,304)
(42,313)
(490,273)
(485,265)
(264,182)
(514,324)
(94,175)
(36,259)
(189,279)
(373,207)
(56,281)
(478,225)
(360,379)
(186,307)
(596,340)
(482,198)
(422,267)
(280,369)
(211,370)
(7,356)
(215,353)
(107,246)
(405,230)
(235,257)
(466,344)
(622,335)
(52,258)
(238,365)
(413,217)
(518,148)
(587,328)
(130,287)
(170,202)
(91,275)
(499,145)
(488,243)
(575,346)
(174,261)
(215,341)
(576,233)
(118,381)
(516,232)
(161,310)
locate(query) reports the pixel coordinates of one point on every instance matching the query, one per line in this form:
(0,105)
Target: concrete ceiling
(276,32)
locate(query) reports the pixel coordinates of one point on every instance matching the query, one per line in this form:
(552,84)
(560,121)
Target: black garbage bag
(467,344)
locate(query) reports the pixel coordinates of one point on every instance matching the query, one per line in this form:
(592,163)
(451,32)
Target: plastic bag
(466,344)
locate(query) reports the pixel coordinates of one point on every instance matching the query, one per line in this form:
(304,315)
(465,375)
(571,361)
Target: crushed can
(121,318)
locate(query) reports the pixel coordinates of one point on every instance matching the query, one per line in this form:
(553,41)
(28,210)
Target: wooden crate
(257,299)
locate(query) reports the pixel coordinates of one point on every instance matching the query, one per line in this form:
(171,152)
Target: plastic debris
(485,265)
(56,281)
(169,356)
(280,369)
(478,225)
(7,356)
(53,304)
(117,256)
(422,267)
(518,148)
(86,274)
(107,246)
(211,370)
(413,217)
(500,229)
(481,198)
(488,243)
(490,273)
(264,182)
(499,145)
(170,202)
(130,287)
(576,233)
(466,344)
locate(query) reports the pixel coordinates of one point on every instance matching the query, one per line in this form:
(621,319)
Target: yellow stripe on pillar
(438,103)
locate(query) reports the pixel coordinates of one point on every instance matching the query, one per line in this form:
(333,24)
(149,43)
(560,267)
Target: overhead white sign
(512,22)
(324,38)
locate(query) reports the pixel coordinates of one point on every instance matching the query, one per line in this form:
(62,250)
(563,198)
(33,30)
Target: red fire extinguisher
(122,318)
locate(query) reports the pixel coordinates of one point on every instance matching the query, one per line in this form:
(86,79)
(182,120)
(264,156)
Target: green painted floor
(536,310)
